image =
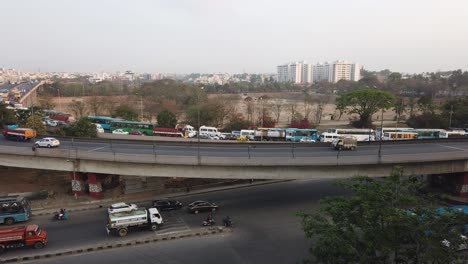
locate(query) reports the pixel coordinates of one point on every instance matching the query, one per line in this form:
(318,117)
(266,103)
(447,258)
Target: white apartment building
(295,72)
(336,71)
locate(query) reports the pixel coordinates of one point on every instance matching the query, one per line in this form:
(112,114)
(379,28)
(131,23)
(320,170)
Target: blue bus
(104,121)
(302,135)
(430,133)
(14,209)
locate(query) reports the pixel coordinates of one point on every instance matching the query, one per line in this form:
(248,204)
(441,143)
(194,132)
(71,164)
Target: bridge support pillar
(95,186)
(77,183)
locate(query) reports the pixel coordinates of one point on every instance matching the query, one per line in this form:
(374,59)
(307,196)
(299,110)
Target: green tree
(7,116)
(126,112)
(373,224)
(35,122)
(167,119)
(83,128)
(364,102)
(237,122)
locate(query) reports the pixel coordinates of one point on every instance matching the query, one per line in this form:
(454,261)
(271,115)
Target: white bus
(365,134)
(390,131)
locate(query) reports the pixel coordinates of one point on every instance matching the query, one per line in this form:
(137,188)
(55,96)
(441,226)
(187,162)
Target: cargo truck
(22,134)
(341,143)
(22,236)
(186,131)
(123,222)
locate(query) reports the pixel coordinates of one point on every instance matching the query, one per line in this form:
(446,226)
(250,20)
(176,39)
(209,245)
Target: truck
(186,131)
(23,134)
(123,222)
(22,236)
(269,134)
(344,143)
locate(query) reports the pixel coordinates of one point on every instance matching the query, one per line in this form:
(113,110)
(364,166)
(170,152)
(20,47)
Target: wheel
(213,209)
(2,248)
(353,148)
(9,221)
(48,146)
(154,227)
(36,145)
(38,245)
(123,232)
(196,212)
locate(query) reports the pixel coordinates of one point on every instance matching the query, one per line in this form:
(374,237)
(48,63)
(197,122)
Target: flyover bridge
(239,160)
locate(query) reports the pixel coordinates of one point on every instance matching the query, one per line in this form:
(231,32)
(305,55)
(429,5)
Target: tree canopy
(383,221)
(364,102)
(167,118)
(126,112)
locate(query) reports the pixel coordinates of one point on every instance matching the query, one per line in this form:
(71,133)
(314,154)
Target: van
(249,134)
(99,128)
(209,131)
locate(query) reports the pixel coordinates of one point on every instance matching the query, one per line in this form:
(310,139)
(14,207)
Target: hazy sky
(187,36)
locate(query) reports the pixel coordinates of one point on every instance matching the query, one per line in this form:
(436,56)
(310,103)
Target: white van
(99,128)
(209,131)
(250,134)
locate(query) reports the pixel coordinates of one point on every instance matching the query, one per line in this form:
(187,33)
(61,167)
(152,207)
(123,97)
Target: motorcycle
(227,222)
(62,215)
(210,222)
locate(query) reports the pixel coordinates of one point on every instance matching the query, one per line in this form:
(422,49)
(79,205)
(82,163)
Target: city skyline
(212,36)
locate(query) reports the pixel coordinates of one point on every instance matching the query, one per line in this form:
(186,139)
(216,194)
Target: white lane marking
(452,147)
(91,150)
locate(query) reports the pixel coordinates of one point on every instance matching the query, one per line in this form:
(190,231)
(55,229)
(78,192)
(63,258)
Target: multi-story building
(295,72)
(336,71)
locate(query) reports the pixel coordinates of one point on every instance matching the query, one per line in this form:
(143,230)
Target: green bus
(129,126)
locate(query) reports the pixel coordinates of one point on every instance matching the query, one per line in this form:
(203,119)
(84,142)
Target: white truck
(123,222)
(342,143)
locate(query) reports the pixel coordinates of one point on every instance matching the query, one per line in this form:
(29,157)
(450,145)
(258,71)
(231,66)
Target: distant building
(295,72)
(336,71)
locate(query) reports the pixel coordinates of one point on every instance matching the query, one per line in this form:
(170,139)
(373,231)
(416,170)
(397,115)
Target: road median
(121,243)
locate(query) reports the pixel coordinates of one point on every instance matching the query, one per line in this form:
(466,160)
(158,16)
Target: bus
(14,209)
(365,134)
(430,133)
(129,126)
(301,135)
(104,121)
(391,130)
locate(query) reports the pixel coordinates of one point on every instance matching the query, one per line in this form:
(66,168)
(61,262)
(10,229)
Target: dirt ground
(286,99)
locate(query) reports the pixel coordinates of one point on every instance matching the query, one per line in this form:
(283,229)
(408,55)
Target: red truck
(22,236)
(179,131)
(22,134)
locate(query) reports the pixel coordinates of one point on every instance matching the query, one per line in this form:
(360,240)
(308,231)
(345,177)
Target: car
(120,132)
(121,207)
(202,206)
(48,142)
(136,133)
(51,123)
(212,137)
(203,136)
(166,204)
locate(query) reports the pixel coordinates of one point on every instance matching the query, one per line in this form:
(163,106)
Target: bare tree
(277,107)
(78,108)
(250,105)
(94,104)
(292,107)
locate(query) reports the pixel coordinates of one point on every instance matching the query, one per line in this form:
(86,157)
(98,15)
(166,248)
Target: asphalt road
(244,150)
(267,229)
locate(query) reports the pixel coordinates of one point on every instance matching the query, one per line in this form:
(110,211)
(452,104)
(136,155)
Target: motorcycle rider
(209,218)
(227,221)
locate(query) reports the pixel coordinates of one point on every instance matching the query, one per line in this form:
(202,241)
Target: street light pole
(381,135)
(451,112)
(141,107)
(198,120)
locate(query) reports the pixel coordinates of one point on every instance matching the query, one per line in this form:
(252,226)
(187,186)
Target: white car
(51,123)
(121,207)
(48,142)
(120,132)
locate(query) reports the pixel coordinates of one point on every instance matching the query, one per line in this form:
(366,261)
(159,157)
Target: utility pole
(450,119)
(381,135)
